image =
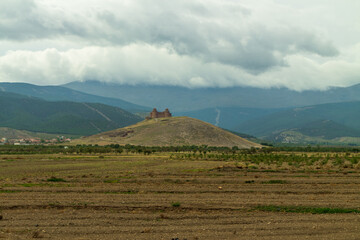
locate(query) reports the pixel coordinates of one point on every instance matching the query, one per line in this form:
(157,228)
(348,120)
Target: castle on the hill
(156,114)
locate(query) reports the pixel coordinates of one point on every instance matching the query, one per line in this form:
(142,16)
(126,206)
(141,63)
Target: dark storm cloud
(191,43)
(23,20)
(219,37)
(215,32)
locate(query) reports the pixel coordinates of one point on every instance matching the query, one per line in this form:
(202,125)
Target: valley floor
(134,196)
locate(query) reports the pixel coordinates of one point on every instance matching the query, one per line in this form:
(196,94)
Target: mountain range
(279,115)
(317,116)
(37,115)
(181,99)
(59,93)
(316,123)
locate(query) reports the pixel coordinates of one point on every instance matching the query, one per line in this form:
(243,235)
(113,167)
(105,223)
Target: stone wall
(156,114)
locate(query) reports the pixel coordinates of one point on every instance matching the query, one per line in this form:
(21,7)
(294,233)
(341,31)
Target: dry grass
(175,131)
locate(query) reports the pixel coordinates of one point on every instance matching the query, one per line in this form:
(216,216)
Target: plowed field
(158,197)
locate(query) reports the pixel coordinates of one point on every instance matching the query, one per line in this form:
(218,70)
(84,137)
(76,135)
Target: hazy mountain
(57,93)
(324,120)
(227,117)
(180,99)
(318,132)
(37,115)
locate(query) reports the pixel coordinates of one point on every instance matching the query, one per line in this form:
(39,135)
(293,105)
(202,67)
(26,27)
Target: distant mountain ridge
(227,117)
(323,121)
(272,114)
(37,115)
(181,99)
(58,93)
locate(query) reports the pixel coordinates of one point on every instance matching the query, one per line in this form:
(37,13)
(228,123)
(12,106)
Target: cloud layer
(199,43)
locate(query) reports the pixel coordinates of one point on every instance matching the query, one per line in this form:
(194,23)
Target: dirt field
(155,197)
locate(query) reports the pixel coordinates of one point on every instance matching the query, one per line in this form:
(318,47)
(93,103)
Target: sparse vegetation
(250,181)
(302,209)
(55,179)
(274,182)
(174,131)
(176,204)
(185,183)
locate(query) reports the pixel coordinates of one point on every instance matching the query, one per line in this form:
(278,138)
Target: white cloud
(147,64)
(186,43)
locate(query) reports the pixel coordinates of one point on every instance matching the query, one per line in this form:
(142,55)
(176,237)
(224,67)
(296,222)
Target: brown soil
(136,197)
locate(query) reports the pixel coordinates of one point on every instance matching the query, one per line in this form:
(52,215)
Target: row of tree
(116,148)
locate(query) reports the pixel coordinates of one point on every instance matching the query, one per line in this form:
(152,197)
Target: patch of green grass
(176,204)
(45,185)
(111,181)
(275,182)
(301,209)
(55,179)
(9,191)
(33,184)
(8,185)
(196,170)
(176,181)
(270,170)
(80,204)
(122,192)
(54,204)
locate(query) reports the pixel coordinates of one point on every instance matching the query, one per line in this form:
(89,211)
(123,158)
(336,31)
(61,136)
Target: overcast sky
(307,44)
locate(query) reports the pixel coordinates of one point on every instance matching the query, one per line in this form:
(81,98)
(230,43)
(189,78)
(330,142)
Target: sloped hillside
(306,118)
(33,114)
(173,131)
(58,93)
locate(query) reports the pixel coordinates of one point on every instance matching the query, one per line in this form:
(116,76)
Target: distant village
(33,141)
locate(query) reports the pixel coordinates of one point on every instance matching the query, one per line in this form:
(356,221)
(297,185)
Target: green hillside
(33,114)
(175,131)
(334,124)
(344,115)
(327,129)
(57,93)
(227,117)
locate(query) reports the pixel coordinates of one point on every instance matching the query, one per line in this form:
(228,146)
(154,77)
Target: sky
(300,45)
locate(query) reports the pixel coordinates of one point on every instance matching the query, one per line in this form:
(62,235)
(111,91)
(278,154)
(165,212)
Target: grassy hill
(57,93)
(173,131)
(33,114)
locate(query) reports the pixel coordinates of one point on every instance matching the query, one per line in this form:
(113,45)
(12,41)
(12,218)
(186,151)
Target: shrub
(275,182)
(176,204)
(54,179)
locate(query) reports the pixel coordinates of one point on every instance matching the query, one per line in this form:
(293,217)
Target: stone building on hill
(156,114)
